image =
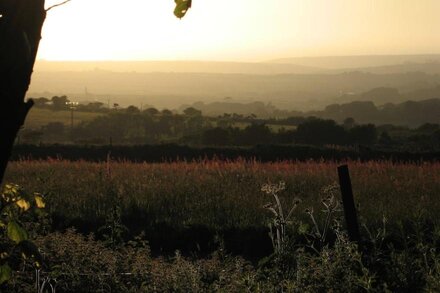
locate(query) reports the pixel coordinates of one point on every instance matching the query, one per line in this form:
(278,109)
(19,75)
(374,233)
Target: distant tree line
(151,126)
(313,131)
(411,113)
(378,106)
(133,126)
(321,132)
(424,108)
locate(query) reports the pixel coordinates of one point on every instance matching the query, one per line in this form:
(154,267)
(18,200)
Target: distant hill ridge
(364,62)
(409,113)
(286,91)
(301,65)
(175,66)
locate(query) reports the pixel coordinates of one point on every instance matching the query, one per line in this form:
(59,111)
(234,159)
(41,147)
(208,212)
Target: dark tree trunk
(21,22)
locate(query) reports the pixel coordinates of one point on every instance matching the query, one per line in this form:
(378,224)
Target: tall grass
(221,194)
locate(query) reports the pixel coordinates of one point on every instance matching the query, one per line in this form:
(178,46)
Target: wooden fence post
(348,203)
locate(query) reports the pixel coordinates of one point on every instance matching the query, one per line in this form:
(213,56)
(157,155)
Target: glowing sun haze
(247,30)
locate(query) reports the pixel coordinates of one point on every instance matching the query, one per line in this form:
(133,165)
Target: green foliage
(15,206)
(5,273)
(333,269)
(84,264)
(16,233)
(113,231)
(182,7)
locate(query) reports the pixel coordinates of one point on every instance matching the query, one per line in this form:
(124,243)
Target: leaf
(23,204)
(39,201)
(182,7)
(16,233)
(5,273)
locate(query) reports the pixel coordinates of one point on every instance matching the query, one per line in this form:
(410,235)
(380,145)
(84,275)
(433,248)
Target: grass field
(221,195)
(212,211)
(39,117)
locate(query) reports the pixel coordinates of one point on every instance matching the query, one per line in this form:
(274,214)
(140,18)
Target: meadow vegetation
(204,226)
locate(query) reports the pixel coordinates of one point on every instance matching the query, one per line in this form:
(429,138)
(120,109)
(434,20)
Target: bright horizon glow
(243,30)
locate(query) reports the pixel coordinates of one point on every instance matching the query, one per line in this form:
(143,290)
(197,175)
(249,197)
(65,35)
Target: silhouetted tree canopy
(192,112)
(41,102)
(216,136)
(152,111)
(132,110)
(363,134)
(321,132)
(60,103)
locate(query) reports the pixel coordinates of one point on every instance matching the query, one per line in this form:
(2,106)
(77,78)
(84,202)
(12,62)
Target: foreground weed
(332,207)
(278,225)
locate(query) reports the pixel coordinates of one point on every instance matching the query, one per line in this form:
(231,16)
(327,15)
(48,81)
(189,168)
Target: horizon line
(237,61)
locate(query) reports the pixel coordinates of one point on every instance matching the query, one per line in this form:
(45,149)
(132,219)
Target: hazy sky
(247,30)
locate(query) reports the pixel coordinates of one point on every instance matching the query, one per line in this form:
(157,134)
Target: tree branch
(56,5)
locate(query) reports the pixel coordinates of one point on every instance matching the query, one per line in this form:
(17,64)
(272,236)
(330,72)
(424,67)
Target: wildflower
(273,188)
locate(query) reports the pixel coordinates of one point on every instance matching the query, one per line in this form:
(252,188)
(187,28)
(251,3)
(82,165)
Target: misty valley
(382,118)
